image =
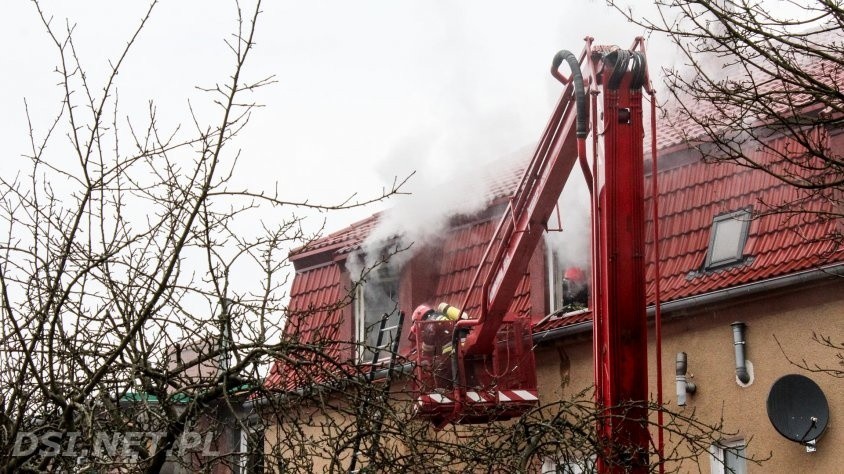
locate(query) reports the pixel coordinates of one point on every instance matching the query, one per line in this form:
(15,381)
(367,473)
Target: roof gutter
(577,328)
(400,369)
(715,297)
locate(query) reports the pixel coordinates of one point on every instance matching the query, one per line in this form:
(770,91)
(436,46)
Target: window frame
(744,216)
(716,456)
(360,322)
(554,289)
(555,284)
(247,433)
(559,465)
(362,355)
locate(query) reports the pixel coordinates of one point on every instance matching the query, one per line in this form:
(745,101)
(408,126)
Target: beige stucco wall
(319,437)
(304,441)
(565,368)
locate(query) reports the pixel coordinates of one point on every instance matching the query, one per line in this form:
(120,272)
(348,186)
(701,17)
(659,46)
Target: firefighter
(575,289)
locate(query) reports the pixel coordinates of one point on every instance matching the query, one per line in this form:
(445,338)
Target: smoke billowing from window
(421,218)
(571,246)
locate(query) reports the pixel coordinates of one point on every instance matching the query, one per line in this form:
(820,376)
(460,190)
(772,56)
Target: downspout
(683,385)
(739,343)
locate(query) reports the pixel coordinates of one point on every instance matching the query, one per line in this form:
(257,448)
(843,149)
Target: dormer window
(727,239)
(568,247)
(568,285)
(375,297)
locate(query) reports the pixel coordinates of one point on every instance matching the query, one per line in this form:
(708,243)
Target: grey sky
(366,90)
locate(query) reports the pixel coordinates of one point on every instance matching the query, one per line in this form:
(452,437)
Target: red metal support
(467,356)
(533,203)
(639,45)
(620,318)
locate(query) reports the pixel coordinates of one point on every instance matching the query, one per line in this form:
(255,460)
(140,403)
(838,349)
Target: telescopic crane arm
(474,368)
(480,367)
(525,220)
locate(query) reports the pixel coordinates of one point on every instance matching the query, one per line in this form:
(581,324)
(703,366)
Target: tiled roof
(556,321)
(463,250)
(314,318)
(691,195)
(343,241)
(782,98)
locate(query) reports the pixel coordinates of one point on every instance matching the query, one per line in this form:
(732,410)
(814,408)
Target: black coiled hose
(579,91)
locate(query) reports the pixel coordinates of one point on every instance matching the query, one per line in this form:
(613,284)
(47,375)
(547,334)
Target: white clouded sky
(366,90)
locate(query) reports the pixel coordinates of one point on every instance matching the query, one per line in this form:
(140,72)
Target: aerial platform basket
(454,387)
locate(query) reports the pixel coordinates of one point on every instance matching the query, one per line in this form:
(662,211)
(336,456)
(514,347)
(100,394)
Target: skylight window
(727,239)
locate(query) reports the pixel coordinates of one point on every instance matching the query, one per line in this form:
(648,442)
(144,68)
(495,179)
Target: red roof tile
(463,249)
(556,321)
(691,195)
(314,318)
(343,241)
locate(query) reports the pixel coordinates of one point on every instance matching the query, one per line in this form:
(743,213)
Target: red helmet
(575,274)
(419,314)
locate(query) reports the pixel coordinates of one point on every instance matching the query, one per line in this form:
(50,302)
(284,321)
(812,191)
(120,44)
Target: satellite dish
(797,408)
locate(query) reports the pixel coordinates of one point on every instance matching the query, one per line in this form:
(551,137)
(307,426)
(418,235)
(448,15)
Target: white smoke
(438,194)
(572,245)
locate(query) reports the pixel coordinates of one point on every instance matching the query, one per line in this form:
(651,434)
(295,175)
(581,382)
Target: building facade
(722,260)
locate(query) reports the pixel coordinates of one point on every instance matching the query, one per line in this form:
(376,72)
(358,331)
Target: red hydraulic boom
(619,305)
(480,367)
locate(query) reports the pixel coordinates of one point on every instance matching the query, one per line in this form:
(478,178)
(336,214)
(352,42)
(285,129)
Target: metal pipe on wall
(741,359)
(683,385)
